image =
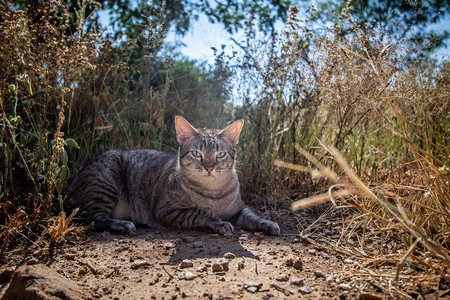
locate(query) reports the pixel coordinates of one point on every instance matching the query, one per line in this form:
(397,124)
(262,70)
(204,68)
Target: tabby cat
(199,188)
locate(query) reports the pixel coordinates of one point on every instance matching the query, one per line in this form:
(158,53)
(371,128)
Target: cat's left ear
(232,132)
(184,130)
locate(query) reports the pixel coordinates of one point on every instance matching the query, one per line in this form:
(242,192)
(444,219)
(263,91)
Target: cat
(199,188)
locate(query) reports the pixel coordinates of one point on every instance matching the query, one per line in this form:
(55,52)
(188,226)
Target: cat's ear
(232,132)
(184,130)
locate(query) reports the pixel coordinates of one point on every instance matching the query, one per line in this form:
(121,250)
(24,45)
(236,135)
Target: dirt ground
(175,264)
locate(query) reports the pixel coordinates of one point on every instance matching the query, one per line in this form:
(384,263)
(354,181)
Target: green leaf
(72,143)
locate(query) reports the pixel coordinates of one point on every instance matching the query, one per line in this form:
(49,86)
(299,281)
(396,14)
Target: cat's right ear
(184,130)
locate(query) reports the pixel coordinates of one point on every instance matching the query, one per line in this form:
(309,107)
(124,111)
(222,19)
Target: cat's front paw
(123,227)
(269,227)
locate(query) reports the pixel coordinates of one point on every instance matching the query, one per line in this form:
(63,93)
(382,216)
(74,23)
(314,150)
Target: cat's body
(199,188)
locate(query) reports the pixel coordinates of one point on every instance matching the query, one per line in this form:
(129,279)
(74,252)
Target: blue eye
(221,155)
(196,154)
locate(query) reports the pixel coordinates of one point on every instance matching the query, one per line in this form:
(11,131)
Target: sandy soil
(175,264)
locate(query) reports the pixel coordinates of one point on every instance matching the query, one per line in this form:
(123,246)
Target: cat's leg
(247,219)
(193,218)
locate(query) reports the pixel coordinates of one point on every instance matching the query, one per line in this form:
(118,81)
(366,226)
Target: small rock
(272,252)
(216,267)
(188,239)
(258,236)
(224,263)
(197,244)
(214,236)
(229,255)
(330,279)
(297,281)
(186,264)
(268,296)
(295,241)
(319,274)
(282,278)
(243,238)
(344,286)
(252,287)
(305,290)
(186,275)
(241,266)
(138,263)
(202,269)
(312,251)
(168,246)
(41,282)
(298,264)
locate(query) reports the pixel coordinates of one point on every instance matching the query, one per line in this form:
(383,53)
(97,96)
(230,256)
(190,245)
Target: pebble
(138,263)
(214,236)
(252,287)
(282,278)
(319,274)
(348,261)
(241,266)
(305,290)
(243,238)
(344,286)
(202,269)
(186,264)
(297,281)
(216,267)
(258,236)
(186,275)
(312,251)
(229,255)
(298,264)
(188,239)
(168,246)
(197,244)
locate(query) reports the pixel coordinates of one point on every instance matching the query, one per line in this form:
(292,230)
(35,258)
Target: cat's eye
(221,155)
(196,154)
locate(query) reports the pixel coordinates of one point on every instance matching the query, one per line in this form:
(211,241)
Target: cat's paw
(123,227)
(269,227)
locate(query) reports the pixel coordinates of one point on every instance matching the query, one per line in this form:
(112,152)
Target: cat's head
(207,155)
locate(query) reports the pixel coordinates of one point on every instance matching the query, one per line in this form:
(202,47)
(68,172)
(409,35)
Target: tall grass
(385,108)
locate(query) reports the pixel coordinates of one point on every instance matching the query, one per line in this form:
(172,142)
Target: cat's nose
(209,169)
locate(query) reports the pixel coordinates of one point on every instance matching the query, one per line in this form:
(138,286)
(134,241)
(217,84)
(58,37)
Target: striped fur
(199,188)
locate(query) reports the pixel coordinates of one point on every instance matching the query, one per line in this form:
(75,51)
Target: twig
(167,272)
(282,289)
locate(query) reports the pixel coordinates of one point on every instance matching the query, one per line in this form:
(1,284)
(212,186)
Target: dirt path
(175,264)
(152,265)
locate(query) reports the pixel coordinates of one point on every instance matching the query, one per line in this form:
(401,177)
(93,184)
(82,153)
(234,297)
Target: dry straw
(378,196)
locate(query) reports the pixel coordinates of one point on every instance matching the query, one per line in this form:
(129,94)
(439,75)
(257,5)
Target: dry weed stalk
(395,210)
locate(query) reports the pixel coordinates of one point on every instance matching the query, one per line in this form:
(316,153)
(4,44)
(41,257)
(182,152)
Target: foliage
(399,21)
